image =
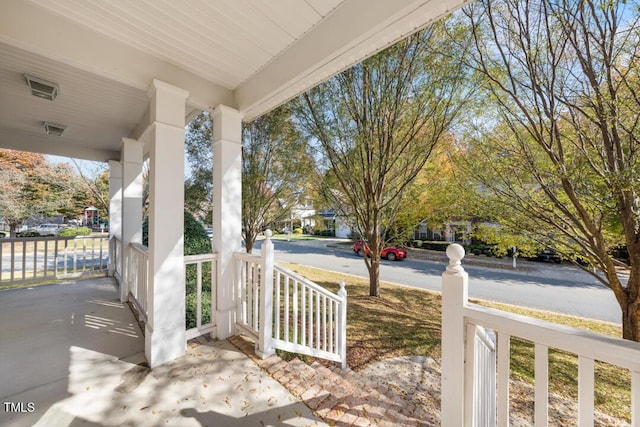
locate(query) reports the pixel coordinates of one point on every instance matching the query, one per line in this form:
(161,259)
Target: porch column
(131,225)
(454,298)
(165,329)
(115,213)
(227,210)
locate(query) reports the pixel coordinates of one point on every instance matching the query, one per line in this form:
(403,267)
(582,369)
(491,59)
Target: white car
(45,229)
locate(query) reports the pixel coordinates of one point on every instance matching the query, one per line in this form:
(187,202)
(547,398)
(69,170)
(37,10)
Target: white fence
(458,315)
(283,310)
(201,273)
(28,259)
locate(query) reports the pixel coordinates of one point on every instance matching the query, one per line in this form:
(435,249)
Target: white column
(454,298)
(227,209)
(115,212)
(131,225)
(165,329)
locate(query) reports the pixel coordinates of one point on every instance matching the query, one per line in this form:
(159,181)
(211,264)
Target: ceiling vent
(54,129)
(42,88)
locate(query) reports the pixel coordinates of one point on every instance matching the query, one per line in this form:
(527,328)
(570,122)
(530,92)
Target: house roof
(251,55)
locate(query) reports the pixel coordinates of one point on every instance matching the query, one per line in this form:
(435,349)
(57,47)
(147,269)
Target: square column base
(162,346)
(225,323)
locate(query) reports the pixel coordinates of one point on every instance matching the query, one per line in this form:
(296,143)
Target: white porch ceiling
(248,54)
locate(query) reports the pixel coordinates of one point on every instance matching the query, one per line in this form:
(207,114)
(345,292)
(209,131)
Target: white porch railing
(39,258)
(115,258)
(137,272)
(309,319)
(459,315)
(201,273)
(289,313)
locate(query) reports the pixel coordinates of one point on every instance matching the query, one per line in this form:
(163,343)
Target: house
(117,85)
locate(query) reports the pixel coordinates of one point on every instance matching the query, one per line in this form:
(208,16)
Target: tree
(275,167)
(560,156)
(32,187)
(377,124)
(94,187)
(198,188)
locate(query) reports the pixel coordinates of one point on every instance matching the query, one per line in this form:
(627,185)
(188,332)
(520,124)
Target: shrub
(435,246)
(196,241)
(297,230)
(73,232)
(29,233)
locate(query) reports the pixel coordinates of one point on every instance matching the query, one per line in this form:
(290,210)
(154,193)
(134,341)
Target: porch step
(341,397)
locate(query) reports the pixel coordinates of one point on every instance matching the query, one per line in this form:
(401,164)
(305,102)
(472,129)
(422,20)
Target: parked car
(391,253)
(549,255)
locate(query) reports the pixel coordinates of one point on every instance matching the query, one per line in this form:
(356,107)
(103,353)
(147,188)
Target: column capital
(227,124)
(166,103)
(131,151)
(115,169)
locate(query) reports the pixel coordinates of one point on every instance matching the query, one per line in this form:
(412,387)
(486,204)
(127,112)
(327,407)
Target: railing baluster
(35,259)
(296,338)
(303,315)
(310,329)
(24,260)
(635,398)
(199,294)
(324,323)
(504,361)
(585,391)
(331,329)
(317,307)
(276,332)
(46,261)
(255,285)
(541,385)
(286,308)
(13,260)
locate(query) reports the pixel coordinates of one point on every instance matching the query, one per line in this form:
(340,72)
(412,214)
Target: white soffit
(251,55)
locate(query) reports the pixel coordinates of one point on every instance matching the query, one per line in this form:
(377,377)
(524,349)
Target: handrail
(307,282)
(623,353)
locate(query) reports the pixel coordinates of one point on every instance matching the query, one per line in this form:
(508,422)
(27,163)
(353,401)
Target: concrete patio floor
(71,354)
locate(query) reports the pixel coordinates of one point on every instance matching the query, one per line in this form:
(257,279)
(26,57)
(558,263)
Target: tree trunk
(373,264)
(374,275)
(631,320)
(249,240)
(12,229)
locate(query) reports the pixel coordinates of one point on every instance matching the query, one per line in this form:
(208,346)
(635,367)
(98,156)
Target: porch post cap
(455,252)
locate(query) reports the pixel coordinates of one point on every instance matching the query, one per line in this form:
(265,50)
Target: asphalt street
(560,288)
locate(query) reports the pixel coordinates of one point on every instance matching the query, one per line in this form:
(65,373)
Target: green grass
(406,322)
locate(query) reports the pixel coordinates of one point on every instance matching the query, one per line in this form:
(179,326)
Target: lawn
(406,321)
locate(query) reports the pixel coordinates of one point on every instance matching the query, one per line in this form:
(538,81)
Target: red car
(390,252)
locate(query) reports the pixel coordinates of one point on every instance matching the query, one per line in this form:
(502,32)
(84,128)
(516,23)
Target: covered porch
(78,359)
(117,84)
